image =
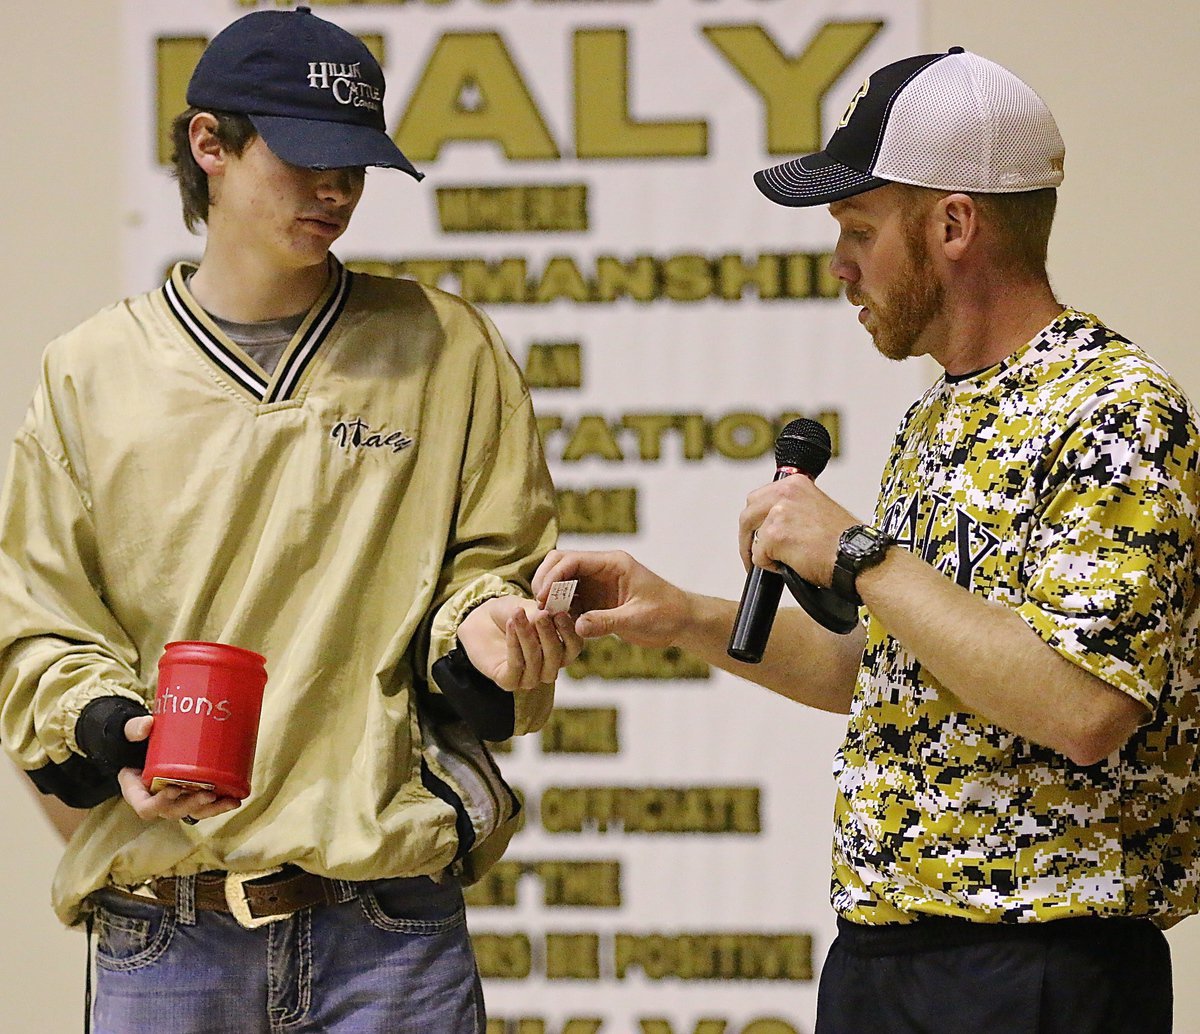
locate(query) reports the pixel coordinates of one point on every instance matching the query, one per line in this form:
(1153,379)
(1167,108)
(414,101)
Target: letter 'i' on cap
(312,90)
(953,121)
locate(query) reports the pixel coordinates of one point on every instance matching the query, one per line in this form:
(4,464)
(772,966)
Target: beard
(897,324)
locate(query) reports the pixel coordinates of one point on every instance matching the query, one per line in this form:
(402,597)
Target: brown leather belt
(253,899)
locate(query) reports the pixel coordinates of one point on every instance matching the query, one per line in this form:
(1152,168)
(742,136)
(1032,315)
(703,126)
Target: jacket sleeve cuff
(478,701)
(73,703)
(444,632)
(100,733)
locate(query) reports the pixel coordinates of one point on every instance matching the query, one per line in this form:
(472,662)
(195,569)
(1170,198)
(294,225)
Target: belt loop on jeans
(185,900)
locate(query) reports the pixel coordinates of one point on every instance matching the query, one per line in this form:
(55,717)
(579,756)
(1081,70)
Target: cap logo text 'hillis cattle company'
(862,92)
(345,82)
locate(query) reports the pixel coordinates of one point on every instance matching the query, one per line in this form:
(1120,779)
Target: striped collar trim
(235,364)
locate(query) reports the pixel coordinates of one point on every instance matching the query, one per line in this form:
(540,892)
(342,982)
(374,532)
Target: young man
(1018,790)
(339,472)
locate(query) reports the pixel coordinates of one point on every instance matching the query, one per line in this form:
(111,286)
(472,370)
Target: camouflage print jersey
(1062,483)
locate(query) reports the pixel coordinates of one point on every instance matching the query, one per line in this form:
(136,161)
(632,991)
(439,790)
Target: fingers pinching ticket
(561,594)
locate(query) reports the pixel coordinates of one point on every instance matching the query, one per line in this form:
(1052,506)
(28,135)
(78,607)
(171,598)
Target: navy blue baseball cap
(312,90)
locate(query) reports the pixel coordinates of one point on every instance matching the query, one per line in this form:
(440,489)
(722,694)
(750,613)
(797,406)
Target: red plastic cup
(206,715)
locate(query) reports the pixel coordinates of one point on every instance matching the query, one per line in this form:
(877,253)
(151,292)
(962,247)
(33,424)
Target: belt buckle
(239,907)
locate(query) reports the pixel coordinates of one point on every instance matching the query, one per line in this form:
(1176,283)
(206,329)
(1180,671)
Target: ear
(207,149)
(957,221)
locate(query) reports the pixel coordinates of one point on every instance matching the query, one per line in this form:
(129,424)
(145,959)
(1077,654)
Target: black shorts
(948,976)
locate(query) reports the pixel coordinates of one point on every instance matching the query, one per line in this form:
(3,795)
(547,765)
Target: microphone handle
(760,601)
(755,616)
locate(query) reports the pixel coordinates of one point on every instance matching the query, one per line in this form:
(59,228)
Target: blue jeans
(393,958)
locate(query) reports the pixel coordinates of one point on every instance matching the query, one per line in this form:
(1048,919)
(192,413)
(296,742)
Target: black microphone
(803,447)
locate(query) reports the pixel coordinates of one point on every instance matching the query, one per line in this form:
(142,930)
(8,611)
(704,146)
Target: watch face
(860,542)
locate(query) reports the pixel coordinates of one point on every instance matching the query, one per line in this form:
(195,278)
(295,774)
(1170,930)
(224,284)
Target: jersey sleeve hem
(1123,678)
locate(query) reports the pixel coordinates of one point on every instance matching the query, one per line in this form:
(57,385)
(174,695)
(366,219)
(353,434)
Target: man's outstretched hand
(616,595)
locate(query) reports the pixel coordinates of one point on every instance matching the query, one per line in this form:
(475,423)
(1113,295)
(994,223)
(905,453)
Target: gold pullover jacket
(339,516)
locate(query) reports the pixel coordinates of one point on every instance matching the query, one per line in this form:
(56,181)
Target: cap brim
(319,144)
(815,179)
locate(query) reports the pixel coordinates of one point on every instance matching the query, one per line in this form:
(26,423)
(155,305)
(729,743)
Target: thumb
(596,623)
(138,729)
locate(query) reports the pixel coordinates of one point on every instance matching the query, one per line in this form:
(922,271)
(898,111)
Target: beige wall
(58,263)
(1120,76)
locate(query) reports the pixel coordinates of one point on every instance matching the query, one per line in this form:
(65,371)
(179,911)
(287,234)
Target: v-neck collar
(219,349)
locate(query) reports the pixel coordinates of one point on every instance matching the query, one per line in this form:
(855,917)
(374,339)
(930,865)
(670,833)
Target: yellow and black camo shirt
(1063,483)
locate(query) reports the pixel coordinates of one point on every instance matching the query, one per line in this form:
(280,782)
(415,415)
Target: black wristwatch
(859,547)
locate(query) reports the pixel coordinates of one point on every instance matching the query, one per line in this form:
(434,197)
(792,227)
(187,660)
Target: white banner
(590,186)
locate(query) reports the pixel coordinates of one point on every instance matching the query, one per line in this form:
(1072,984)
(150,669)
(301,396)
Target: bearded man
(1018,800)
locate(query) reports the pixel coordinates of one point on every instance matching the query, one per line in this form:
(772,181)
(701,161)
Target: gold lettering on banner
(581,730)
(497,888)
(743,436)
(593,437)
(769,1025)
(649,429)
(735,273)
(513,280)
(176,58)
(708,1025)
(714,956)
(483,281)
(765,1025)
(562,278)
(578,883)
(604,127)
(503,956)
(537,1025)
(572,956)
(792,89)
(471,89)
(651,809)
(547,425)
(533,208)
(636,279)
(554,364)
(695,436)
(824,278)
(574,884)
(612,658)
(688,278)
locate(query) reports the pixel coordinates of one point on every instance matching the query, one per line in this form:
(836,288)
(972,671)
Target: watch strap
(849,564)
(843,583)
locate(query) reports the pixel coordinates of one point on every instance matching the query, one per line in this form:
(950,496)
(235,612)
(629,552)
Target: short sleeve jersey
(1061,483)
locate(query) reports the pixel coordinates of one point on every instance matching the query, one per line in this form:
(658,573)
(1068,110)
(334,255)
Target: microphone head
(805,445)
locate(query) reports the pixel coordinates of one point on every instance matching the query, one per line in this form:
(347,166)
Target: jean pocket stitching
(381,920)
(125,924)
(151,953)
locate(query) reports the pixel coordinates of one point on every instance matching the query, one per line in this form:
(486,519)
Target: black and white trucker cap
(953,121)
